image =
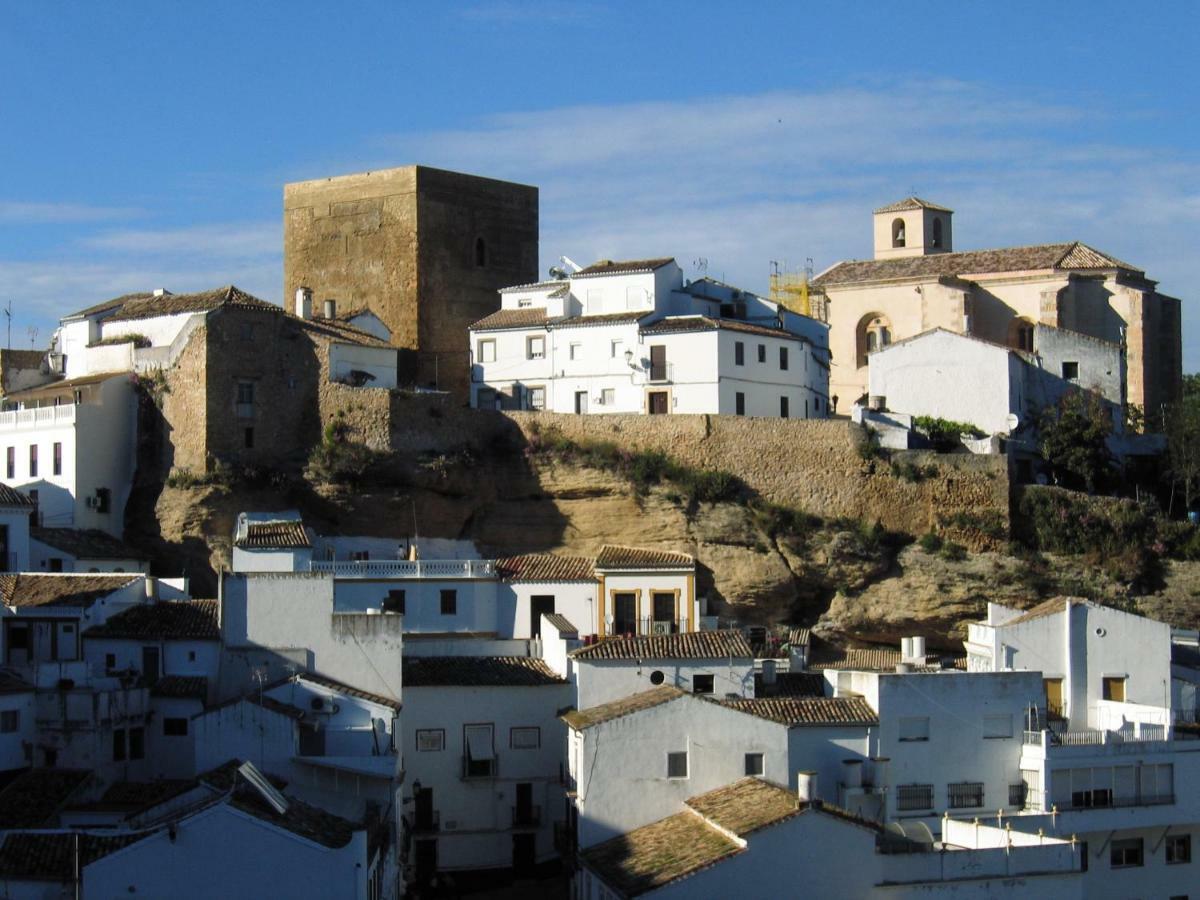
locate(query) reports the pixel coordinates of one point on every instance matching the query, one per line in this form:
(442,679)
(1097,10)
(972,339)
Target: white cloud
(61,213)
(232,240)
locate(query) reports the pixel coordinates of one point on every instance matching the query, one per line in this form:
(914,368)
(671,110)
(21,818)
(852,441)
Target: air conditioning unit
(660,628)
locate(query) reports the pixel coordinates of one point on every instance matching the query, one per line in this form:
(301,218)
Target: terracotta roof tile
(688,645)
(86,543)
(512,318)
(1056,257)
(146,306)
(1046,608)
(25,590)
(623,267)
(42,856)
(598,319)
(679,324)
(911,203)
(808,711)
(791,684)
(349,690)
(282,535)
(612,556)
(34,798)
(536,285)
(181,620)
(800,637)
(561,623)
(181,687)
(580,719)
(10,497)
(747,805)
(62,387)
(477,671)
(300,818)
(338,329)
(546,567)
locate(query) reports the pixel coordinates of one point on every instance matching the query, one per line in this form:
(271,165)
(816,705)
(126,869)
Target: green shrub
(944,434)
(953,552)
(990,523)
(910,471)
(930,542)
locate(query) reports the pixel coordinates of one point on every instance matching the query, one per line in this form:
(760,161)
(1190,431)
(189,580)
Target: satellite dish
(1012,421)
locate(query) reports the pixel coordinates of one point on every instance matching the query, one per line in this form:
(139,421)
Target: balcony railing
(22,419)
(1093,737)
(663,373)
(407,568)
(480,768)
(644,626)
(526,817)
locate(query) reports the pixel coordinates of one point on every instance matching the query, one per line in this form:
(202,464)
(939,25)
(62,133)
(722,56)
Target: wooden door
(1054,697)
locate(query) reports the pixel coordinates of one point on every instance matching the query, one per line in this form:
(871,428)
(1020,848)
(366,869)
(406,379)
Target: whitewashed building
(15,510)
(82,550)
(634,337)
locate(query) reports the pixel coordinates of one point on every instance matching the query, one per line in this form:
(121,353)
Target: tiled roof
(24,590)
(86,543)
(350,691)
(536,285)
(10,497)
(256,698)
(478,671)
(1046,608)
(791,684)
(338,329)
(911,203)
(139,795)
(747,805)
(512,318)
(62,387)
(181,620)
(623,267)
(808,711)
(1057,257)
(650,857)
(181,687)
(33,798)
(679,324)
(598,319)
(300,818)
(561,623)
(146,306)
(614,557)
(800,637)
(580,719)
(280,535)
(12,683)
(688,645)
(824,655)
(546,567)
(52,857)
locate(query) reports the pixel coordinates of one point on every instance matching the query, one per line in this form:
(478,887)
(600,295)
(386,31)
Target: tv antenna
(8,316)
(32,331)
(701,266)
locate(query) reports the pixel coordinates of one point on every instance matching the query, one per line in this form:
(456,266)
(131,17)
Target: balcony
(1132,733)
(473,769)
(407,568)
(644,626)
(526,817)
(30,419)
(660,373)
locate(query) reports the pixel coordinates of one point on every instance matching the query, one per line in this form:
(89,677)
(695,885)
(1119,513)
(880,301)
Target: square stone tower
(425,250)
(912,227)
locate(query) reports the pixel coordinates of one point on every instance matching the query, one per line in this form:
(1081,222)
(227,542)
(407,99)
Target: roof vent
(265,789)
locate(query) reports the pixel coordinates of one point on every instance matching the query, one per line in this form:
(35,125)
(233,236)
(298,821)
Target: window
(873,333)
(897,232)
(783,359)
(535,347)
(762,353)
(480,252)
(525,303)
(936,241)
(914,728)
(55,563)
(118,744)
(57,470)
(1179,849)
(191,656)
(535,397)
(137,743)
(10,721)
(576,351)
(1017,794)
(914,796)
(783,407)
(702,684)
(1070,371)
(110,661)
(525,738)
(394,602)
(754,764)
(487,351)
(449,602)
(11,467)
(245,392)
(1114,688)
(739,403)
(616,349)
(431,740)
(1020,334)
(608,397)
(739,353)
(248,438)
(997,726)
(1125,854)
(480,758)
(657,677)
(658,362)
(175,727)
(33,460)
(964,795)
(677,765)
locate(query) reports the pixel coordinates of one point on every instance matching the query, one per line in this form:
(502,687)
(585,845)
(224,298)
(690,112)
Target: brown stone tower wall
(403,243)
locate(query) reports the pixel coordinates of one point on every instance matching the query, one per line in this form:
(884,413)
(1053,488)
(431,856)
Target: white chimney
(304,303)
(151,587)
(918,649)
(912,650)
(161,292)
(906,648)
(330,308)
(806,786)
(879,773)
(852,773)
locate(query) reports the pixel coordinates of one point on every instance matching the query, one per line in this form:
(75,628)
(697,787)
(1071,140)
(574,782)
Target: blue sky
(146,144)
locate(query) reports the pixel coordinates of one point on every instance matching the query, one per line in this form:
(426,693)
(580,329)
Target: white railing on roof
(407,568)
(19,419)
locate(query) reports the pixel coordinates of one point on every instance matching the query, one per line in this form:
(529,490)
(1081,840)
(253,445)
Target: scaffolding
(790,288)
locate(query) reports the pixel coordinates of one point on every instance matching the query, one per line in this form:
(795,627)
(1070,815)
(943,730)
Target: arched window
(874,333)
(1020,335)
(897,232)
(937,232)
(480,252)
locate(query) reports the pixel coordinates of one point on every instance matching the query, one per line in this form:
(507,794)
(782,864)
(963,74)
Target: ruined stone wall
(184,420)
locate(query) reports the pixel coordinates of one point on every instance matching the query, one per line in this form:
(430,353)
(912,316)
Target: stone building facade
(917,282)
(423,249)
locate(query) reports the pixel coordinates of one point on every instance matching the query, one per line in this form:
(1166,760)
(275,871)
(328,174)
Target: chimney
(161,292)
(330,308)
(768,671)
(879,772)
(304,303)
(806,787)
(852,773)
(151,588)
(912,650)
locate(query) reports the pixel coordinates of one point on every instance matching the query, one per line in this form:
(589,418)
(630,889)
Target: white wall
(12,750)
(602,681)
(377,361)
(574,599)
(16,521)
(275,559)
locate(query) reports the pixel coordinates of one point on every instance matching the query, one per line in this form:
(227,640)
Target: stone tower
(425,250)
(912,227)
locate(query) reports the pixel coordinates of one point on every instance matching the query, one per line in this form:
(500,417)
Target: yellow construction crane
(790,289)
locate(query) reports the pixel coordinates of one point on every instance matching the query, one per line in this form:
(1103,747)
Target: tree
(1074,440)
(1181,423)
